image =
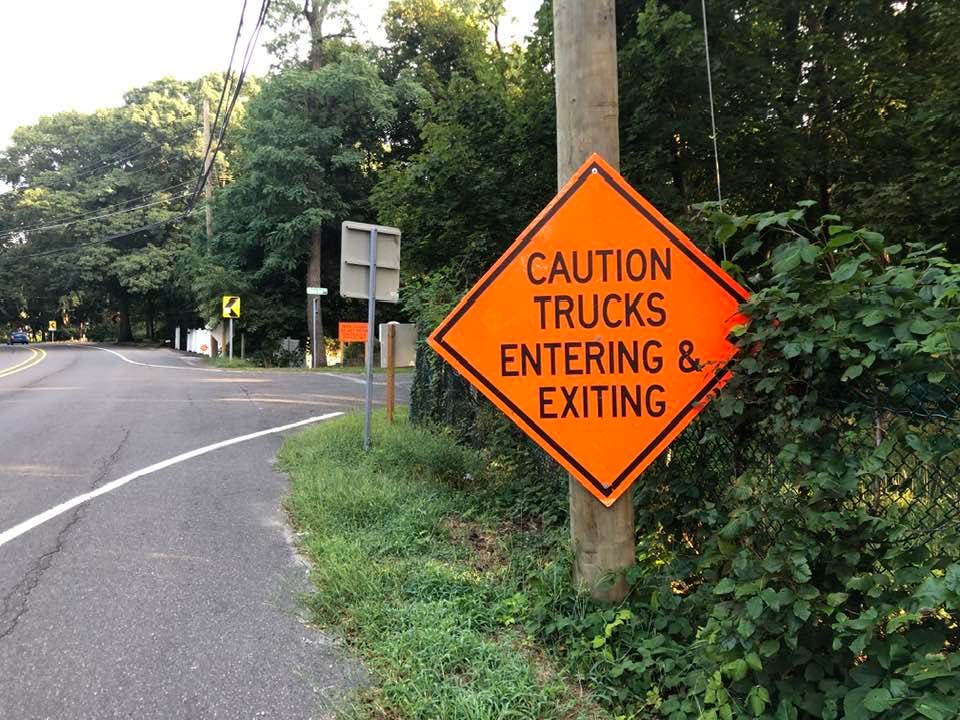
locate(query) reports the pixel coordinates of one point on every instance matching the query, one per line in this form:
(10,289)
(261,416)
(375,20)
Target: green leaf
(769,647)
(845,271)
(874,317)
(852,372)
(724,587)
(838,241)
(754,661)
(757,699)
(853,704)
(801,609)
(934,709)
(922,327)
(736,670)
(809,253)
(879,700)
(754,607)
(786,262)
(836,599)
(725,232)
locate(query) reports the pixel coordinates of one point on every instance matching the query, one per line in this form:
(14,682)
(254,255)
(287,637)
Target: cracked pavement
(175,596)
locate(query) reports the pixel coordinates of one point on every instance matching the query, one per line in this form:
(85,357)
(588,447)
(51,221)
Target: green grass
(224,361)
(412,570)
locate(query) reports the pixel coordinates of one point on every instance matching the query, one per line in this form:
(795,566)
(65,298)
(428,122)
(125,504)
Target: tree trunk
(676,167)
(124,333)
(313,280)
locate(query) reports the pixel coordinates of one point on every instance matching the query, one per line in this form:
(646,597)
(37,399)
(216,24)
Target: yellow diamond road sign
(231,306)
(52,325)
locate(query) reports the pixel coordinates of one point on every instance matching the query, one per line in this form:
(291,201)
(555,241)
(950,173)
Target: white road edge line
(37,520)
(153,365)
(348,378)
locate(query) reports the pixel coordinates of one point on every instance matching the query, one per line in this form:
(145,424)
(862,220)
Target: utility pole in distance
(208,161)
(585,58)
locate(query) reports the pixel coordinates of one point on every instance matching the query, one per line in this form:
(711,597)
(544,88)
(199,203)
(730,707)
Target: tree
(306,156)
(80,178)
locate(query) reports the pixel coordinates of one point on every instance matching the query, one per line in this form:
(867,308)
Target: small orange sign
(601,332)
(353,332)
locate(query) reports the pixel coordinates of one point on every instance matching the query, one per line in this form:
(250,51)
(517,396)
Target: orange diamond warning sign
(601,332)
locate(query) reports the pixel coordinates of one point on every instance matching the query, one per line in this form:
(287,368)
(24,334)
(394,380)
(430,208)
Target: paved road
(173,596)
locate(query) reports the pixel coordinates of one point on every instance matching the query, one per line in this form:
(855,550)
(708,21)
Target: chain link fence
(901,444)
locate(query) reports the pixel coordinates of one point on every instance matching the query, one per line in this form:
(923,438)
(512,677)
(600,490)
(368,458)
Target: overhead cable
(82,215)
(14,233)
(6,257)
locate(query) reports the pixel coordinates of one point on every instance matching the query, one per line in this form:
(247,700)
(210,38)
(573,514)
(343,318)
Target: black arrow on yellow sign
(231,306)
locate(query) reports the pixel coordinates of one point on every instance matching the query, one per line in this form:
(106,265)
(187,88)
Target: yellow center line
(31,356)
(36,356)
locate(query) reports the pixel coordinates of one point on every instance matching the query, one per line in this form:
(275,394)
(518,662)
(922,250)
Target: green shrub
(799,542)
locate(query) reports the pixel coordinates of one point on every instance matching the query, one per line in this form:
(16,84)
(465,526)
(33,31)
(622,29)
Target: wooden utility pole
(585,58)
(315,12)
(208,161)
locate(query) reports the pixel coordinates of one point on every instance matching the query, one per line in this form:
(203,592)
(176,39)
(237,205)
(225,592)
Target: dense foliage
(798,553)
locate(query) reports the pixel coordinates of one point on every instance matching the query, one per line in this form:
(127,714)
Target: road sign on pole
(317,291)
(356,252)
(353,332)
(316,342)
(231,306)
(52,325)
(369,268)
(601,332)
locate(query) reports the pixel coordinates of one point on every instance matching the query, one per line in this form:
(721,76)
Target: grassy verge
(418,574)
(223,361)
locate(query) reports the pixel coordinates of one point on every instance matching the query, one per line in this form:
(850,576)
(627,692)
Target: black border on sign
(502,264)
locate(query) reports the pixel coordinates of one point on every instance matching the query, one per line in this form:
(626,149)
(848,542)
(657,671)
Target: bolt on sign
(602,332)
(231,306)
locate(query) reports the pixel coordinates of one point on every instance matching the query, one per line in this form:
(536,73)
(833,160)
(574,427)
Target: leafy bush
(798,544)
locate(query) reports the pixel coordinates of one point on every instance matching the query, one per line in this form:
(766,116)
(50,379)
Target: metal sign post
(231,311)
(369,271)
(313,348)
(371,313)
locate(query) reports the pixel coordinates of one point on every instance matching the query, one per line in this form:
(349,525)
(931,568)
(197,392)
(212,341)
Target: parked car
(19,336)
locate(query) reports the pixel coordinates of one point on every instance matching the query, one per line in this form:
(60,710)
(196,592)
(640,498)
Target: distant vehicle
(18,336)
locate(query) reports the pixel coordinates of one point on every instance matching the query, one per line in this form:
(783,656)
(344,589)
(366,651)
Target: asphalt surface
(176,595)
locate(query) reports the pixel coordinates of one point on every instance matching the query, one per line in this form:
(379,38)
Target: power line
(82,215)
(226,82)
(248,55)
(124,160)
(713,114)
(97,217)
(100,241)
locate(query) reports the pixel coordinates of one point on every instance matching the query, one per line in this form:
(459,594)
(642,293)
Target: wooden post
(391,357)
(208,161)
(585,58)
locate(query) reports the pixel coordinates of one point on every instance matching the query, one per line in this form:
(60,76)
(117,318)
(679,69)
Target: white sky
(72,55)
